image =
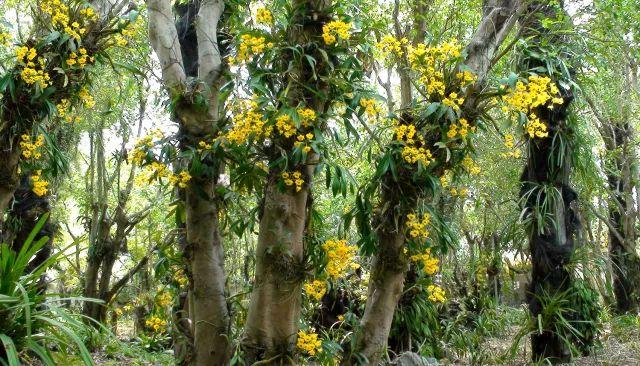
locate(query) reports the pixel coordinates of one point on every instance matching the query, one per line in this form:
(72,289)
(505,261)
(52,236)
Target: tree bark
(9,159)
(622,215)
(274,311)
(211,316)
(551,242)
(386,283)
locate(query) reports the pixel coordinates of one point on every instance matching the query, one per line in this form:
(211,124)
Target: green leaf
(10,350)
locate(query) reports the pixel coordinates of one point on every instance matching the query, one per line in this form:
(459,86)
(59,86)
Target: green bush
(32,322)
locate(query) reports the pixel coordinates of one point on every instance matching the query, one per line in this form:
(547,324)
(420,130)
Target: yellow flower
(250,46)
(297,180)
(264,16)
(39,184)
(539,91)
(429,264)
(371,107)
(436,293)
(417,226)
(307,116)
(309,343)
(316,289)
(181,179)
(156,324)
(390,47)
(341,257)
(335,30)
(248,123)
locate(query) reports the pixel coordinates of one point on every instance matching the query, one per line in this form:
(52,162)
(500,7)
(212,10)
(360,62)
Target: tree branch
(209,57)
(164,39)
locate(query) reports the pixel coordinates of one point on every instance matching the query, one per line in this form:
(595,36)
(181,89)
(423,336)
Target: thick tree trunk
(551,242)
(91,285)
(274,312)
(622,215)
(211,316)
(390,268)
(190,48)
(103,289)
(9,180)
(626,272)
(385,288)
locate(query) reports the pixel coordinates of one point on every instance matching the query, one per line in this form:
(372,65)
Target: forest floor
(619,346)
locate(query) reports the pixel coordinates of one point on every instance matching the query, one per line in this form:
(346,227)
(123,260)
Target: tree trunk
(9,180)
(189,48)
(91,285)
(387,276)
(551,242)
(625,262)
(211,316)
(385,288)
(493,268)
(274,312)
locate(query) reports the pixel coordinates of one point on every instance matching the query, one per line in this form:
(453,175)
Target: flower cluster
(60,19)
(156,324)
(417,226)
(32,73)
(470,166)
(309,343)
(5,37)
(307,116)
(181,179)
(248,123)
(372,108)
(510,144)
(316,289)
(139,152)
(30,149)
(164,299)
(535,127)
(180,277)
(446,178)
(335,30)
(525,97)
(341,258)
(461,128)
(285,125)
(126,34)
(390,47)
(86,98)
(413,150)
(250,46)
(430,62)
(302,142)
(462,192)
(453,101)
(436,293)
(291,179)
(39,185)
(81,60)
(429,264)
(264,16)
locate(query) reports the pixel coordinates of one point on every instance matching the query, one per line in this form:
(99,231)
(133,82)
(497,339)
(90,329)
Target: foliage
(32,321)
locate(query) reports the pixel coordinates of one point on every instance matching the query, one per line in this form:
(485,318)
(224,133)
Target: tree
(548,200)
(400,184)
(192,73)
